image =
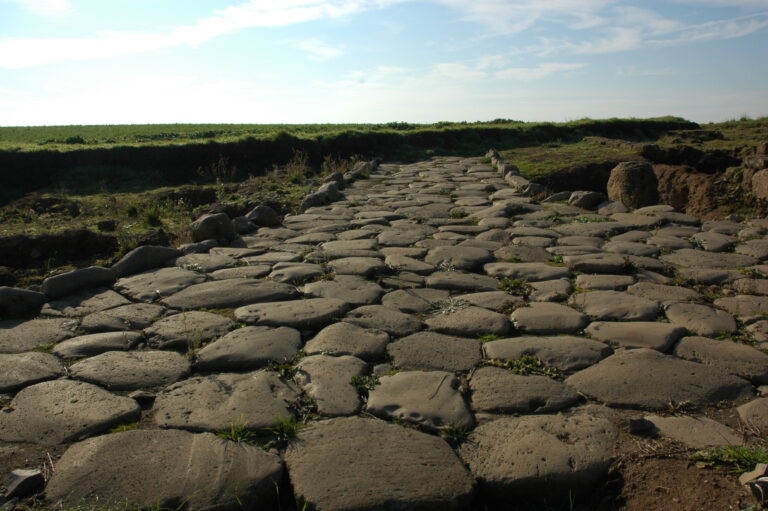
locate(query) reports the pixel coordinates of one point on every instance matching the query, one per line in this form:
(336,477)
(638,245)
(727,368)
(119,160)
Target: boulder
(70,282)
(264,216)
(144,258)
(217,226)
(15,302)
(634,184)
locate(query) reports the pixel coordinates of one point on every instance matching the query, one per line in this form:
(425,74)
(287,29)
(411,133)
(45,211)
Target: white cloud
(44,7)
(537,72)
(458,71)
(318,50)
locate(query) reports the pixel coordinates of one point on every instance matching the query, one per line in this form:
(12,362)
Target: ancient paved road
(453,303)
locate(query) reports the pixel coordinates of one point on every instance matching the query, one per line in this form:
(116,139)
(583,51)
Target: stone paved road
(443,338)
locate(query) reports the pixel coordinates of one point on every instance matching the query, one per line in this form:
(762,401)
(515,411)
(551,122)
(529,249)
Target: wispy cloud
(44,7)
(495,67)
(536,72)
(318,50)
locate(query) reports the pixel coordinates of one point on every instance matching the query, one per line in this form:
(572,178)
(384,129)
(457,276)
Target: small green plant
(488,337)
(473,220)
(735,459)
(45,348)
(525,365)
(585,219)
(458,213)
(364,384)
(753,272)
(556,260)
(455,433)
(513,259)
(285,429)
(515,287)
(238,432)
(124,427)
(447,306)
(287,368)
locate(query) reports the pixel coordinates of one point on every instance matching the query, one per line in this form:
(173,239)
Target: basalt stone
(135,316)
(224,294)
(206,263)
(249,347)
(403,469)
(498,390)
(755,414)
(133,370)
(76,280)
(647,379)
(702,259)
(312,313)
(153,285)
(414,301)
(15,302)
(242,272)
(733,358)
(744,305)
(20,370)
(63,411)
(327,380)
(20,336)
(256,400)
(636,334)
(429,350)
(431,399)
(347,339)
(464,282)
(362,266)
(95,344)
(217,226)
(144,258)
(547,318)
(460,258)
(532,272)
(349,288)
(155,468)
(701,319)
(470,322)
(604,282)
(614,305)
(664,294)
(83,303)
(188,329)
(384,318)
(564,352)
(696,431)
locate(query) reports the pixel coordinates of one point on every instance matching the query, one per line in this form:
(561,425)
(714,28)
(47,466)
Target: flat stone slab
(464,282)
(20,370)
(83,303)
(603,263)
(20,336)
(688,257)
(205,263)
(429,350)
(565,352)
(132,370)
(728,356)
(135,316)
(701,319)
(744,305)
(545,318)
(63,411)
(255,400)
(400,237)
(242,272)
(637,334)
(470,322)
(299,314)
(347,339)
(402,468)
(187,330)
(498,390)
(249,347)
(155,468)
(384,318)
(526,455)
(647,379)
(616,306)
(697,432)
(531,272)
(755,414)
(413,301)
(153,285)
(403,263)
(350,288)
(327,380)
(362,266)
(493,300)
(458,258)
(224,294)
(95,344)
(604,282)
(431,399)
(664,294)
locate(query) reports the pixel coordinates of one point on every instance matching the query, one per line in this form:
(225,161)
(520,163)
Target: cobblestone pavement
(433,340)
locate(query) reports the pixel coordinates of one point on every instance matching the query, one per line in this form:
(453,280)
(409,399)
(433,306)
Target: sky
(68,62)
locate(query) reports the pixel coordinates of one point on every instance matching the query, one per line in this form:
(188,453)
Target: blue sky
(313,61)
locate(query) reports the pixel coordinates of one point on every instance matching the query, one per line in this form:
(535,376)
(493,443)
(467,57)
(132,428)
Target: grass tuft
(731,458)
(525,366)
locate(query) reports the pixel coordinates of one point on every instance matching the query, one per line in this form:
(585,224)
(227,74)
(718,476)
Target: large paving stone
(187,330)
(459,258)
(400,237)
(83,303)
(431,399)
(664,294)
(300,314)
(429,350)
(531,272)
(565,352)
(402,469)
(223,294)
(152,285)
(696,431)
(135,316)
(470,322)
(347,339)
(207,263)
(19,336)
(493,300)
(493,389)
(602,263)
(95,344)
(701,319)
(702,259)
(744,305)
(384,318)
(249,347)
(728,356)
(255,400)
(755,414)
(75,280)
(19,370)
(327,380)
(557,454)
(464,282)
(361,266)
(242,272)
(403,263)
(295,273)
(165,469)
(414,300)
(144,258)
(636,334)
(350,288)
(616,306)
(132,370)
(63,411)
(16,302)
(545,318)
(647,379)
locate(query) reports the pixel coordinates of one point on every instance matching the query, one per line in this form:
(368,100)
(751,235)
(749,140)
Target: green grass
(515,287)
(364,384)
(448,306)
(733,459)
(238,432)
(488,337)
(285,430)
(525,365)
(124,427)
(455,433)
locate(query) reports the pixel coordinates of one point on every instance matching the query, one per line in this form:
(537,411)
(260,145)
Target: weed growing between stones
(735,459)
(448,306)
(124,427)
(556,260)
(585,219)
(455,433)
(286,369)
(45,348)
(525,366)
(285,430)
(458,213)
(488,337)
(239,432)
(515,287)
(364,384)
